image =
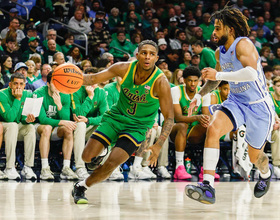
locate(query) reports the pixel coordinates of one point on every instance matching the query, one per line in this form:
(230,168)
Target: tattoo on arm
(144,145)
(89,79)
(166,129)
(208,87)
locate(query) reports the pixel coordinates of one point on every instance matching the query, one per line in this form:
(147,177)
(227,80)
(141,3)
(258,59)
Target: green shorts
(114,126)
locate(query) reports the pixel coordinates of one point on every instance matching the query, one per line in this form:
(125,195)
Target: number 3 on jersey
(132,109)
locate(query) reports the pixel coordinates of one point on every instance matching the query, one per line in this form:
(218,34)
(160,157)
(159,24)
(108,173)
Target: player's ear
(136,55)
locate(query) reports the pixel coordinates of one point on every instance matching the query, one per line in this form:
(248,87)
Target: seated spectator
(51,35)
(58,58)
(89,104)
(46,69)
(17,127)
(69,40)
(150,32)
(207,27)
(131,7)
(11,49)
(162,48)
(172,59)
(38,63)
(40,12)
(14,26)
(31,71)
(131,21)
(114,19)
(108,56)
(260,37)
(257,44)
(103,63)
(95,8)
(260,25)
(136,39)
(121,48)
(268,20)
(268,73)
(54,124)
(77,22)
(22,69)
(195,60)
(161,63)
(187,60)
(121,27)
(48,55)
(191,128)
(85,64)
(53,65)
(31,31)
(177,77)
(74,55)
(33,44)
(5,21)
(147,18)
(6,70)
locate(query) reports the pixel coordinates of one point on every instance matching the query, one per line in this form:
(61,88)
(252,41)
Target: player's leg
(204,192)
(179,136)
(44,132)
(67,147)
(2,175)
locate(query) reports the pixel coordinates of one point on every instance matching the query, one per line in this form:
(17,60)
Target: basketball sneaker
(82,173)
(46,174)
(3,176)
(262,186)
(116,175)
(203,193)
(12,173)
(78,194)
(28,173)
(200,176)
(138,173)
(68,174)
(181,173)
(163,172)
(148,171)
(96,161)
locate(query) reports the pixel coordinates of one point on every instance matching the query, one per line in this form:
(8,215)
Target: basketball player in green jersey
(144,89)
(275,145)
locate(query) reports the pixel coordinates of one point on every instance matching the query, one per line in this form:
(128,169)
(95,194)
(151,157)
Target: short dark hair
(223,83)
(150,42)
(267,69)
(17,75)
(120,32)
(198,43)
(191,71)
(49,77)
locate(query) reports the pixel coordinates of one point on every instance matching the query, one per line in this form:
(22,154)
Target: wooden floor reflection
(135,200)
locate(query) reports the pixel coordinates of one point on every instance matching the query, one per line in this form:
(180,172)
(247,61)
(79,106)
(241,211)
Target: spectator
(151,32)
(260,25)
(268,72)
(207,56)
(14,26)
(108,56)
(276,34)
(40,12)
(187,60)
(31,32)
(177,77)
(11,49)
(78,23)
(95,8)
(276,70)
(260,37)
(195,60)
(22,69)
(121,48)
(59,58)
(51,35)
(251,21)
(55,124)
(33,43)
(69,41)
(256,7)
(121,27)
(131,21)
(268,20)
(256,43)
(207,27)
(38,63)
(266,54)
(180,17)
(190,30)
(239,5)
(75,56)
(135,40)
(114,19)
(17,127)
(31,71)
(85,64)
(53,65)
(162,48)
(6,68)
(131,7)
(46,69)
(276,61)
(172,59)
(48,55)
(13,13)
(147,20)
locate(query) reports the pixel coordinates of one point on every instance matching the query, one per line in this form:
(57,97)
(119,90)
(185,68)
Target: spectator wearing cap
(162,48)
(99,36)
(121,49)
(102,15)
(190,29)
(207,27)
(173,22)
(22,69)
(148,4)
(40,12)
(51,35)
(33,43)
(195,60)
(27,3)
(77,22)
(207,55)
(150,32)
(30,32)
(147,20)
(5,20)
(162,64)
(11,49)
(96,6)
(121,27)
(114,19)
(14,26)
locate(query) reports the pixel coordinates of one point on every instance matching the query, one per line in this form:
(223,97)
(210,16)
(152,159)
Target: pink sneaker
(200,176)
(181,173)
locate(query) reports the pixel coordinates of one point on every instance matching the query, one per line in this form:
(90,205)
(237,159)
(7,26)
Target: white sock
(209,178)
(45,162)
(66,163)
(266,175)
(83,183)
(179,158)
(137,161)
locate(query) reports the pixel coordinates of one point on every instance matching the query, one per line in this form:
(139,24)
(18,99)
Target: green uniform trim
(276,104)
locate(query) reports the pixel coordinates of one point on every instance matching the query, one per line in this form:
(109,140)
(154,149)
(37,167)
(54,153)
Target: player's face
(191,83)
(224,90)
(276,88)
(147,57)
(220,33)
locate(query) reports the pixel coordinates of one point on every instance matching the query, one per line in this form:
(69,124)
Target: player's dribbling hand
(154,150)
(209,73)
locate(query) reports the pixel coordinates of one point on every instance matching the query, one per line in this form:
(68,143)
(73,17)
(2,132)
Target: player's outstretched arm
(118,69)
(163,92)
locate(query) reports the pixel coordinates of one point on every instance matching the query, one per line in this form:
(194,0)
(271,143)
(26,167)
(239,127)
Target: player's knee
(46,131)
(213,131)
(183,127)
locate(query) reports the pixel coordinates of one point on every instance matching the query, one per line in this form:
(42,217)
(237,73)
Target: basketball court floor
(133,200)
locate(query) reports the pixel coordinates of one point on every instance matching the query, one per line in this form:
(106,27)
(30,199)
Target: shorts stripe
(102,136)
(134,141)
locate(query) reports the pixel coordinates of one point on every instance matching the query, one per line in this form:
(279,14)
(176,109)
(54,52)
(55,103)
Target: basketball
(67,78)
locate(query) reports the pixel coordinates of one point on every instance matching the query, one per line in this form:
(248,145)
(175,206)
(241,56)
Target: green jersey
(137,102)
(49,114)
(93,109)
(10,107)
(218,96)
(113,93)
(276,104)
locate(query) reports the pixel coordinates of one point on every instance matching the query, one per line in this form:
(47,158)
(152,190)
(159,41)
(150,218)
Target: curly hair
(234,18)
